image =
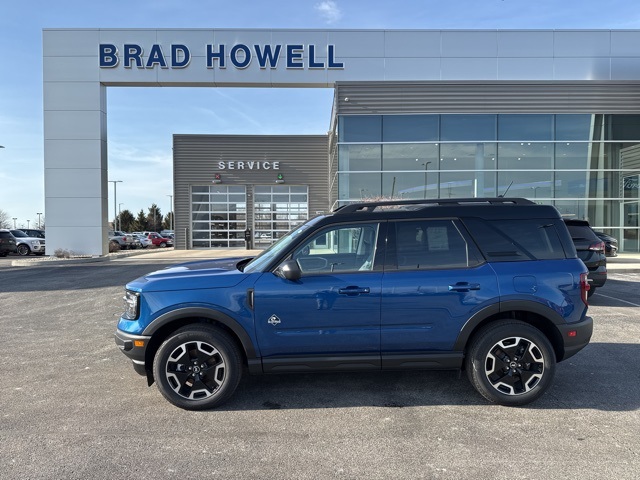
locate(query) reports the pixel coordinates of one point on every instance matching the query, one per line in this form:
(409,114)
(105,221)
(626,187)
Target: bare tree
(5,220)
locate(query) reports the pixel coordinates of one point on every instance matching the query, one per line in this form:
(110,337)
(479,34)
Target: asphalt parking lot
(73,408)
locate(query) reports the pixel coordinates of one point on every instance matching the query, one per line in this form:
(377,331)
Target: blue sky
(141,121)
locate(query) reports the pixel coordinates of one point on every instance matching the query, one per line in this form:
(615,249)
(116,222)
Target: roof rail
(429,203)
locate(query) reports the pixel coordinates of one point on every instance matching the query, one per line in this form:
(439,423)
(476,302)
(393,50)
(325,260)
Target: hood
(220,273)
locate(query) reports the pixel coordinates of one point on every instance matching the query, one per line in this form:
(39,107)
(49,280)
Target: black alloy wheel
(198,367)
(511,363)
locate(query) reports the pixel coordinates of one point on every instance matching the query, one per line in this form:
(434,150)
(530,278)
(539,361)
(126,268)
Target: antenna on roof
(505,192)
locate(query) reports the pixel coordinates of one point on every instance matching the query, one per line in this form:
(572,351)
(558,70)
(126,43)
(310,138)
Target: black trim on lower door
(314,363)
(351,363)
(423,361)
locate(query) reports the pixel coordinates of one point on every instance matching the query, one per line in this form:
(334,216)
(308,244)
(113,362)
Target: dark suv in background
(591,250)
(8,243)
(490,286)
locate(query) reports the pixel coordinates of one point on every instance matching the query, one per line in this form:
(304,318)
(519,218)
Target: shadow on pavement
(601,377)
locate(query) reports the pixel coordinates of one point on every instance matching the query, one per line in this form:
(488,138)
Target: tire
(163,245)
(591,291)
(210,374)
(23,250)
(510,363)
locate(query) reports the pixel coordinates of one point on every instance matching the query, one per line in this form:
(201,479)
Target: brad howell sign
(240,56)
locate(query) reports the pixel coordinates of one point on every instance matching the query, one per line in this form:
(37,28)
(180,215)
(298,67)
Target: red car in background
(160,241)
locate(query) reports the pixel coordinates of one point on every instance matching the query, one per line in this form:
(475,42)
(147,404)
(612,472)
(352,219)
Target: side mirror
(289,270)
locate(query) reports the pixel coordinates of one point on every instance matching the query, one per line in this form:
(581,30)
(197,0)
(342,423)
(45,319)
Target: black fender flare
(208,313)
(510,305)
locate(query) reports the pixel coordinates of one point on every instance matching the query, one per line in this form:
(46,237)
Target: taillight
(597,247)
(584,288)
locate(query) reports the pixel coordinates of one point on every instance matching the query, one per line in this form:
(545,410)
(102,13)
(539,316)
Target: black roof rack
(429,203)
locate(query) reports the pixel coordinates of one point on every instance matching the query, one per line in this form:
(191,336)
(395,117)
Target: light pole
(115,200)
(14,219)
(426,166)
(120,216)
(39,224)
(171,208)
(535,196)
(28,226)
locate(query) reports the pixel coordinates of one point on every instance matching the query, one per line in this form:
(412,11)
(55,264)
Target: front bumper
(134,347)
(576,336)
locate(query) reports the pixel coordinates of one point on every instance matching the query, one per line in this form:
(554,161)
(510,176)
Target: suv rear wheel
(198,367)
(510,363)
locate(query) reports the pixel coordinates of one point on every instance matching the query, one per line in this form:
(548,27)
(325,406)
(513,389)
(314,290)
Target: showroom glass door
(218,216)
(277,209)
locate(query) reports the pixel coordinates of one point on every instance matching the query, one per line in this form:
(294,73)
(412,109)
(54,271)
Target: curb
(33,262)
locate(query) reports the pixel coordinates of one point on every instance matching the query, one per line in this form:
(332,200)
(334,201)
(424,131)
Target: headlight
(131,305)
(35,243)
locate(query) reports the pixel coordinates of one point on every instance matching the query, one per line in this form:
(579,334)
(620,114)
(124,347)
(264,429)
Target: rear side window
(430,244)
(582,232)
(517,240)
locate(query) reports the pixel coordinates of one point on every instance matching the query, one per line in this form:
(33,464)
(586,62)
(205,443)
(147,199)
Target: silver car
(27,244)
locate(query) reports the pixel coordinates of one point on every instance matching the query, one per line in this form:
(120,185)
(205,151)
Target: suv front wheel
(198,367)
(23,250)
(510,363)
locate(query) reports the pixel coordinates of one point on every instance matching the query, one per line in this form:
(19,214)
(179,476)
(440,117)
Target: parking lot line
(618,299)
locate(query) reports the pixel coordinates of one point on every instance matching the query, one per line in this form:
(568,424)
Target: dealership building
(550,115)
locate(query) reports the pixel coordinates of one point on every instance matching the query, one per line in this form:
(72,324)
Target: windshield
(258,263)
(18,233)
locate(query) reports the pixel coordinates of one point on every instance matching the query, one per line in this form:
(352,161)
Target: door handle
(464,287)
(352,291)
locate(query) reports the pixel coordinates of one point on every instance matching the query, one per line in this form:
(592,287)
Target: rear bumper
(134,347)
(598,277)
(576,336)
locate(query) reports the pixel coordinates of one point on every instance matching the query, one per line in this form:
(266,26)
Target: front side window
(345,248)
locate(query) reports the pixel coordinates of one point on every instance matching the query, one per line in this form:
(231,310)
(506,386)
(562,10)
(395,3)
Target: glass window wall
(586,165)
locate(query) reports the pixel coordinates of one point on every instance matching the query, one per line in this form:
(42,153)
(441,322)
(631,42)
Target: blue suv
(491,286)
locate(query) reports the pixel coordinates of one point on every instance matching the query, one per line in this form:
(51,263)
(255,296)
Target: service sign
(239,56)
(248,165)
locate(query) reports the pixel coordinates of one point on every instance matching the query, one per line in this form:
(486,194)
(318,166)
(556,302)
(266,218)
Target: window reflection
(525,156)
(409,128)
(525,127)
(456,128)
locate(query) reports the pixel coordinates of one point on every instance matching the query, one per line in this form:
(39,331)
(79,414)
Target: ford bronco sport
(490,286)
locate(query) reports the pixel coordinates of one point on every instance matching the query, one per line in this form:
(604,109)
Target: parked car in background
(123,240)
(33,232)
(610,244)
(135,241)
(160,241)
(28,244)
(144,241)
(8,243)
(591,251)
